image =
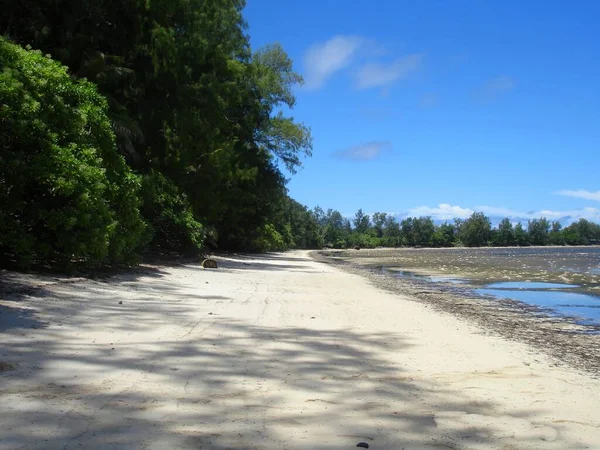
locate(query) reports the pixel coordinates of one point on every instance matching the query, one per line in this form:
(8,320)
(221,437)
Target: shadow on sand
(238,383)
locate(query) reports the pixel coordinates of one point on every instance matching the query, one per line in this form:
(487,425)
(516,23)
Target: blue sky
(444,107)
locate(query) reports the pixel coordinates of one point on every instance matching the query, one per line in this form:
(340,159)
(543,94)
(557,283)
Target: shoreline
(566,342)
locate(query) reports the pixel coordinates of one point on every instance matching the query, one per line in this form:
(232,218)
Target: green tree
(476,230)
(347,227)
(392,233)
(379,222)
(521,236)
(297,225)
(423,231)
(556,236)
(458,223)
(361,222)
(444,235)
(506,235)
(539,231)
(582,232)
(222,143)
(65,193)
(173,225)
(274,77)
(406,227)
(571,236)
(319,216)
(418,231)
(188,99)
(95,39)
(335,233)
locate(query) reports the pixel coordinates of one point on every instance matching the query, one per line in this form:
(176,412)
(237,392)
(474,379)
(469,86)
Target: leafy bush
(66,195)
(363,240)
(339,244)
(170,215)
(269,240)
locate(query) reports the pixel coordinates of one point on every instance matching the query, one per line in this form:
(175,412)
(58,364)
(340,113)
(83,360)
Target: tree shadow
(124,299)
(13,291)
(15,317)
(271,262)
(241,386)
(171,374)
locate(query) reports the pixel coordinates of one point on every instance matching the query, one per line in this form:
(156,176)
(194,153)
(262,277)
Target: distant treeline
(383,230)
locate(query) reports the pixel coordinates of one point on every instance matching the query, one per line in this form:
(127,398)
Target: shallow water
(529,285)
(565,280)
(432,278)
(437,279)
(585,307)
(571,265)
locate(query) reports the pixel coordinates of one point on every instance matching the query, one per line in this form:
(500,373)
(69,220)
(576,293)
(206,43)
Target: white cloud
(364,152)
(379,75)
(495,88)
(444,211)
(566,215)
(493,211)
(323,59)
(448,212)
(581,193)
(496,211)
(588,213)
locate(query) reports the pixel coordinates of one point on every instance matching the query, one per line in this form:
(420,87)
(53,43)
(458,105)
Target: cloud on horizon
(364,152)
(323,59)
(445,211)
(495,88)
(374,75)
(567,216)
(581,193)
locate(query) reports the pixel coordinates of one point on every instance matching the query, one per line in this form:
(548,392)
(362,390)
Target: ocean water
(531,275)
(585,308)
(528,285)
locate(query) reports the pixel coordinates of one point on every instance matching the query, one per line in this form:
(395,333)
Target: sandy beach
(269,352)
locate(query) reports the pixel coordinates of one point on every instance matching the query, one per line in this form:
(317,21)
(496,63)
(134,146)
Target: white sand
(285,353)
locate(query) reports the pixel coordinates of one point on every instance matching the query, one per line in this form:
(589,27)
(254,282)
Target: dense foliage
(193,110)
(383,230)
(65,193)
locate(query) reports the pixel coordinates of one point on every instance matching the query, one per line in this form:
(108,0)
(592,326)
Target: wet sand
(573,265)
(568,342)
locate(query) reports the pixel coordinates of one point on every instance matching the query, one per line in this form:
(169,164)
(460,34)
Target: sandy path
(285,353)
